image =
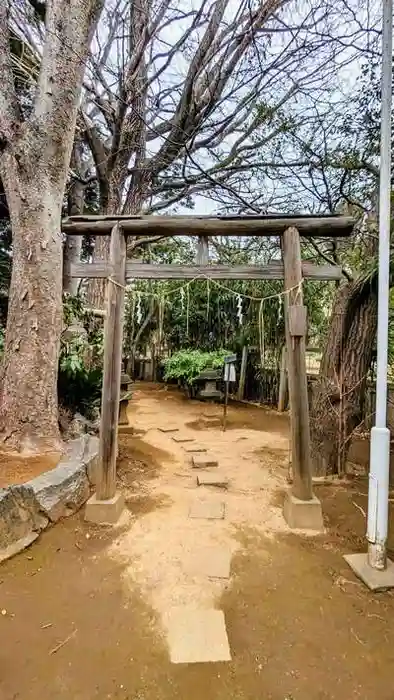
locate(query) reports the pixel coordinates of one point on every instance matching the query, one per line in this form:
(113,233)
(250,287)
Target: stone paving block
(169,429)
(207,479)
(196,636)
(203,461)
(213,561)
(207,510)
(182,438)
(195,449)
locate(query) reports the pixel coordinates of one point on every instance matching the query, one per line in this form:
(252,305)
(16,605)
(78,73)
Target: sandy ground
(83,606)
(17,470)
(161,551)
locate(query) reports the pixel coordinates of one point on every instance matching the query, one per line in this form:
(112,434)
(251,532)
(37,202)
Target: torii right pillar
(302,510)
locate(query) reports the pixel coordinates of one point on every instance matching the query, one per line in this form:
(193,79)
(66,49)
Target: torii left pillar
(107,504)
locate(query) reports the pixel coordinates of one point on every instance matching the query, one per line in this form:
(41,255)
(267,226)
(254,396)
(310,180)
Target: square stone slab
(182,438)
(169,430)
(196,636)
(207,510)
(212,561)
(374,579)
(202,462)
(208,479)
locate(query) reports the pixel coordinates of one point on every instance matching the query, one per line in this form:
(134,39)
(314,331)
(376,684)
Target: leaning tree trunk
(28,412)
(339,395)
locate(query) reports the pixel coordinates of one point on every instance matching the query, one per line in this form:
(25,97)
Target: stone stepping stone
(207,510)
(212,561)
(202,462)
(196,636)
(195,449)
(182,438)
(169,430)
(212,480)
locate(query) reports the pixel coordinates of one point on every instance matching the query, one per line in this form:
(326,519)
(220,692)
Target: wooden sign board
(297,320)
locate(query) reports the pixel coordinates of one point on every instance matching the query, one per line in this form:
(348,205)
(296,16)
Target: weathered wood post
(242,376)
(301,509)
(282,398)
(106,505)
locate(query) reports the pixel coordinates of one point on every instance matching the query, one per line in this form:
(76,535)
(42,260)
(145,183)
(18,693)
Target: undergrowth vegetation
(81,360)
(185,365)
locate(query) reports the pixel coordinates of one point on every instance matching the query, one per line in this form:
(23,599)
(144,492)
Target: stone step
(195,449)
(182,438)
(169,429)
(208,479)
(202,462)
(196,636)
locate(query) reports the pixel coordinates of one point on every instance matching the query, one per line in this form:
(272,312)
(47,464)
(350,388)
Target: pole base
(375,579)
(105,512)
(303,515)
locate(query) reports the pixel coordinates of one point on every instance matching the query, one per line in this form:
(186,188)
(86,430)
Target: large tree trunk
(338,397)
(34,160)
(28,411)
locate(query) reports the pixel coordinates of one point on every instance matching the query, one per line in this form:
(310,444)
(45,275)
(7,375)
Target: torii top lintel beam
(330,226)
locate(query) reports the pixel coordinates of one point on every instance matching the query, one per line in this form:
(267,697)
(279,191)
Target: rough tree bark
(338,397)
(34,160)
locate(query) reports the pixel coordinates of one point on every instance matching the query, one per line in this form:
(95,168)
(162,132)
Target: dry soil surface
(82,608)
(17,470)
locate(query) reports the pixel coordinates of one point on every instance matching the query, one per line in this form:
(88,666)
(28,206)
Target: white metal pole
(380,435)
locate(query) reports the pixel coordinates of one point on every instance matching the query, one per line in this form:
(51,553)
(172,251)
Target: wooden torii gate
(302,509)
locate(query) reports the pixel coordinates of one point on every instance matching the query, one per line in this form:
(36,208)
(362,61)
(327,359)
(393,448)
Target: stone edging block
(27,509)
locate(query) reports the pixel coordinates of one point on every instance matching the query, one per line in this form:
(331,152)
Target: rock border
(27,509)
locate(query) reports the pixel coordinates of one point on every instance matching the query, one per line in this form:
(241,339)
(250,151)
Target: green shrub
(80,361)
(186,365)
(79,383)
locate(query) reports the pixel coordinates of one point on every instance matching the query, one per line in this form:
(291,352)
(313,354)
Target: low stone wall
(27,509)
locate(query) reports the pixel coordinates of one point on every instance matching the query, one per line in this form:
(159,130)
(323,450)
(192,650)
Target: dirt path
(299,624)
(165,551)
